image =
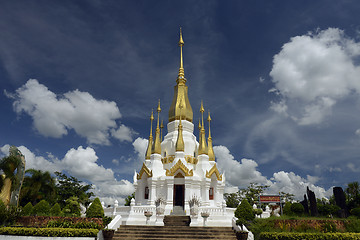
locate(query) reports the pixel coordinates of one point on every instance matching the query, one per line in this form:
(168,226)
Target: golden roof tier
(181,92)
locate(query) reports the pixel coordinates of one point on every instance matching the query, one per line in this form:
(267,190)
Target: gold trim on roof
(182,167)
(191,159)
(143,170)
(212,171)
(168,159)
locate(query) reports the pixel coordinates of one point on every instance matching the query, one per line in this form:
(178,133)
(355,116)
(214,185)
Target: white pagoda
(179,175)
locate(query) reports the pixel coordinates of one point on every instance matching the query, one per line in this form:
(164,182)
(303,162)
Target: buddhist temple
(179,175)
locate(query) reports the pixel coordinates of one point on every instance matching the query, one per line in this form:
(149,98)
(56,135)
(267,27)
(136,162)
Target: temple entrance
(179,193)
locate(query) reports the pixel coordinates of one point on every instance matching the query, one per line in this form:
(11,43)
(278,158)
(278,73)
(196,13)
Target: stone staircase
(173,232)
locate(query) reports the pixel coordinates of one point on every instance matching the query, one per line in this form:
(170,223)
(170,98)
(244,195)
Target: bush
(287,209)
(352,225)
(328,209)
(308,236)
(68,223)
(42,208)
(8,215)
(95,210)
(27,210)
(355,212)
(297,208)
(244,213)
(49,232)
(56,210)
(72,207)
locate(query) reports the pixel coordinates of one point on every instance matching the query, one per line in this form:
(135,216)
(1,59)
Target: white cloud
(312,72)
(53,115)
(357,132)
(140,146)
(123,133)
(243,173)
(237,173)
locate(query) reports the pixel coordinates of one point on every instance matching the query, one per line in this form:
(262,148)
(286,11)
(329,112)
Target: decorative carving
(143,170)
(168,159)
(212,171)
(191,159)
(182,167)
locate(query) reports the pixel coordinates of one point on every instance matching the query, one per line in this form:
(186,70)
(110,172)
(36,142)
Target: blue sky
(281,78)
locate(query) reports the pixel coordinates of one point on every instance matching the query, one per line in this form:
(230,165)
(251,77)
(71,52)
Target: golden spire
(181,80)
(210,147)
(179,146)
(157,144)
(202,142)
(161,128)
(181,91)
(149,148)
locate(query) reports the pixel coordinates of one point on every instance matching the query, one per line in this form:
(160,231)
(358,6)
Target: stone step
(173,232)
(177,220)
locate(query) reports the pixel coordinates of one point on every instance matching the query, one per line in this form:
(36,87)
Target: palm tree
(38,185)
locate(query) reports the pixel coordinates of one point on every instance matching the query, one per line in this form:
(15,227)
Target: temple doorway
(179,193)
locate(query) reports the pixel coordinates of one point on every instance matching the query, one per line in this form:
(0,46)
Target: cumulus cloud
(314,71)
(81,163)
(242,173)
(54,115)
(237,173)
(123,133)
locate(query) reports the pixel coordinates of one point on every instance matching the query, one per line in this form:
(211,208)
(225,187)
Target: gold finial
(161,128)
(180,141)
(181,41)
(199,126)
(150,143)
(181,76)
(157,143)
(202,142)
(210,147)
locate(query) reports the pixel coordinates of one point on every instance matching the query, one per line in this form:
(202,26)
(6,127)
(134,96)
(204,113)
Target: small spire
(157,144)
(181,76)
(210,147)
(150,143)
(161,128)
(180,140)
(202,142)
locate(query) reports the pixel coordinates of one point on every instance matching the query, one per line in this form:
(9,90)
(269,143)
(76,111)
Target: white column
(169,183)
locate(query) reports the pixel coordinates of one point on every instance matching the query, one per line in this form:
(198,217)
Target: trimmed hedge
(49,232)
(308,236)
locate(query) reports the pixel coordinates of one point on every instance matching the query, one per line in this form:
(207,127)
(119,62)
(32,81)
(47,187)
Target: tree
(42,208)
(286,197)
(353,195)
(37,186)
(68,187)
(27,210)
(56,210)
(252,193)
(244,212)
(128,199)
(72,207)
(232,199)
(297,209)
(95,210)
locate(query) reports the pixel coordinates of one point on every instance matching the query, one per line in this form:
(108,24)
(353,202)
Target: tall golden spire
(161,128)
(181,92)
(157,144)
(149,148)
(202,141)
(179,146)
(210,147)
